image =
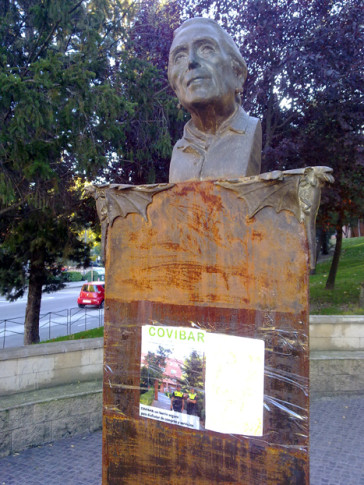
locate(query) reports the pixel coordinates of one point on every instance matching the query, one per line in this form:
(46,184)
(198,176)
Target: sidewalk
(337,451)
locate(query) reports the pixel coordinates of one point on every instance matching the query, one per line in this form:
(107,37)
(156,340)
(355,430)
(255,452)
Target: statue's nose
(193,60)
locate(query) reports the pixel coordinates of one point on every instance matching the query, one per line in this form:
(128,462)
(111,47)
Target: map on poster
(202,380)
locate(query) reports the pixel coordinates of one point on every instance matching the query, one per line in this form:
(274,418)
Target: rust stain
(132,237)
(257,235)
(184,189)
(210,199)
(170,245)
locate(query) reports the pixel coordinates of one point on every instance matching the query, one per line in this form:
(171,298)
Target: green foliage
(36,239)
(58,107)
(193,371)
(147,398)
(344,299)
(93,333)
(72,276)
(153,125)
(153,367)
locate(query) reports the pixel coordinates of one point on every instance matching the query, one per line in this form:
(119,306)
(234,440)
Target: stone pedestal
(230,258)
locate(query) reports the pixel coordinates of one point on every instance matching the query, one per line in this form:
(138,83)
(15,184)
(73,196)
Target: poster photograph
(202,380)
(172,375)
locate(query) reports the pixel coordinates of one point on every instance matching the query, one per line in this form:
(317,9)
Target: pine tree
(193,371)
(57,109)
(140,73)
(154,366)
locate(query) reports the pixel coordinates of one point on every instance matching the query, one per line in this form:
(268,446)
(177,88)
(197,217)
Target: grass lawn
(344,298)
(147,398)
(93,333)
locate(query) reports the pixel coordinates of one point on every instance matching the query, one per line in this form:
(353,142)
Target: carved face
(200,70)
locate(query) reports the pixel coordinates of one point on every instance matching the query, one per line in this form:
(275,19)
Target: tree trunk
(330,283)
(36,279)
(324,242)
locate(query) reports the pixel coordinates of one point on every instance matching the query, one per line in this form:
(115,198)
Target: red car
(92,294)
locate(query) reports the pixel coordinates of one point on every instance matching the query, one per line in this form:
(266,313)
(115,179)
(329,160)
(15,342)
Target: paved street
(337,441)
(163,402)
(59,315)
(337,452)
(51,302)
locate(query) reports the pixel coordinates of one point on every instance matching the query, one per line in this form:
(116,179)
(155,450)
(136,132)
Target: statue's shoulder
(186,138)
(180,144)
(249,123)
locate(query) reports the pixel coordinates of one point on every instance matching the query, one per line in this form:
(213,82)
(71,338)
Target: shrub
(72,276)
(147,398)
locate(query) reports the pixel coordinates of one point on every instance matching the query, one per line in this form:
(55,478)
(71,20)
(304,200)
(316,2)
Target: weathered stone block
(69,426)
(96,418)
(8,368)
(4,420)
(93,357)
(20,417)
(348,383)
(91,370)
(33,365)
(31,435)
(9,385)
(74,360)
(52,410)
(5,443)
(344,343)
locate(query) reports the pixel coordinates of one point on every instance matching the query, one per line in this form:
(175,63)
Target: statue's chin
(201,103)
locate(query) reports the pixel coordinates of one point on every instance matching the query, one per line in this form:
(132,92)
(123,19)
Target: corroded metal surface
(119,200)
(199,257)
(297,191)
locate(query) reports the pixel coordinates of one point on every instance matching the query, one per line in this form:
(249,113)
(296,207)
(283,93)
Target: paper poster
(234,387)
(202,380)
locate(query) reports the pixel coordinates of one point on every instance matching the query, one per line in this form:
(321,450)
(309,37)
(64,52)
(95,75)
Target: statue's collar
(236,123)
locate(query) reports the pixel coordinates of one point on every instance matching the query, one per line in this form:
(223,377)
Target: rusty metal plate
(199,257)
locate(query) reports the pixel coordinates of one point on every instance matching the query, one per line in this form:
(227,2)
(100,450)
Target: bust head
(207,72)
(205,67)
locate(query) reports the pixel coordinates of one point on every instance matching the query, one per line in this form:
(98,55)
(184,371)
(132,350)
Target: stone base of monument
(207,289)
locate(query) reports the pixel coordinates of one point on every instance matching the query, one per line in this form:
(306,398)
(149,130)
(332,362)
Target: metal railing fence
(55,324)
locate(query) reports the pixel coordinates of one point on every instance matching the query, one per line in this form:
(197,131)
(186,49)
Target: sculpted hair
(238,62)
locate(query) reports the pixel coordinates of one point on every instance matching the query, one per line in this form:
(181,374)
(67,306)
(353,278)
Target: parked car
(92,294)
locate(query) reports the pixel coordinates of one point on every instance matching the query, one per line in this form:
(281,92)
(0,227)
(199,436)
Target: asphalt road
(59,316)
(51,302)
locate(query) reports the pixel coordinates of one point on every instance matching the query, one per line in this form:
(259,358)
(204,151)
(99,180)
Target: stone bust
(207,73)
